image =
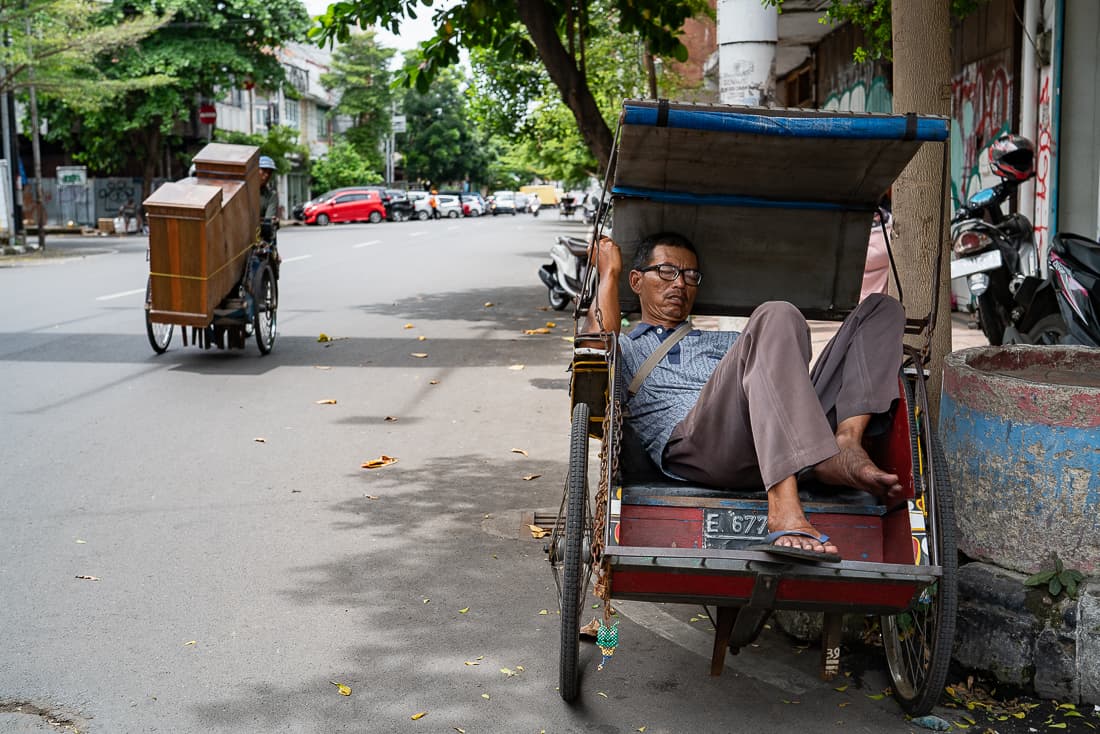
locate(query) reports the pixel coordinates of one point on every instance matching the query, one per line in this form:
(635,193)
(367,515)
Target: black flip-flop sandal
(797,554)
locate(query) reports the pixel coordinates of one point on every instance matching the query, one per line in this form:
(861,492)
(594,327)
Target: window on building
(234,97)
(323,123)
(291,118)
(263,116)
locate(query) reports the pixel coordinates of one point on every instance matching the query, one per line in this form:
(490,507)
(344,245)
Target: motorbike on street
(564,274)
(1074,265)
(996,254)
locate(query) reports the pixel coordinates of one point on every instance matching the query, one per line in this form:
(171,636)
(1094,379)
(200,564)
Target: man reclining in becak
(742,409)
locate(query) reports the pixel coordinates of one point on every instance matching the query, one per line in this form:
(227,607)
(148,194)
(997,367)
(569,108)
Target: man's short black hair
(644,253)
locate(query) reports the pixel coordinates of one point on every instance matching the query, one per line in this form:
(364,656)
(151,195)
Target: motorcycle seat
(576,247)
(1082,249)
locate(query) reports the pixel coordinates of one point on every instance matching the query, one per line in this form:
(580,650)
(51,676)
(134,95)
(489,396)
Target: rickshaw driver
(742,409)
(269,208)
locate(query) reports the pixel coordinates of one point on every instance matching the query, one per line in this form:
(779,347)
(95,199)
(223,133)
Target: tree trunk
(922,84)
(150,143)
(542,25)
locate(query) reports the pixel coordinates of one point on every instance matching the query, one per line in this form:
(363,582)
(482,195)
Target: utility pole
(748,33)
(36,151)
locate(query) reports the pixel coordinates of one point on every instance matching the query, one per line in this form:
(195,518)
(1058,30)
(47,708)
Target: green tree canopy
(205,46)
(442,143)
(54,44)
(343,165)
(361,78)
(557,32)
(279,142)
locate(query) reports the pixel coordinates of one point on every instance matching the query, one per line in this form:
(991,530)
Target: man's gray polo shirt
(672,388)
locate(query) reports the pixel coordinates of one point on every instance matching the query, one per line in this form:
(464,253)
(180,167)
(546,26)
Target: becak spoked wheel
(160,335)
(267,303)
(918,641)
(572,549)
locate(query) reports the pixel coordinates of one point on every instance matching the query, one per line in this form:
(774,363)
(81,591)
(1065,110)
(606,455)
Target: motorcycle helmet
(267,162)
(1012,158)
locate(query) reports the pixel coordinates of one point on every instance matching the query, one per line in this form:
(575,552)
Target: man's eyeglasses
(669,272)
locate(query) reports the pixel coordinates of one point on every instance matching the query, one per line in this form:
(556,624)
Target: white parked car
(449,205)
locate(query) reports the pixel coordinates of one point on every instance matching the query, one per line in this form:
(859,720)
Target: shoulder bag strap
(658,354)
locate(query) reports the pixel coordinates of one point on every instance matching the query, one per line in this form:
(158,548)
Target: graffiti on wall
(981,105)
(856,88)
(1043,153)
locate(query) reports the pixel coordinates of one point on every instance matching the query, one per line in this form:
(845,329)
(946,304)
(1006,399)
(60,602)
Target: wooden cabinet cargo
(200,232)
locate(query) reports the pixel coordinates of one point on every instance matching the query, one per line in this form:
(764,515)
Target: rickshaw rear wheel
(577,561)
(160,335)
(918,642)
(267,302)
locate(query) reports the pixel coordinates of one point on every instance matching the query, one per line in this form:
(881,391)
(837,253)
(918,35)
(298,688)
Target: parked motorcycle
(1074,264)
(564,274)
(996,254)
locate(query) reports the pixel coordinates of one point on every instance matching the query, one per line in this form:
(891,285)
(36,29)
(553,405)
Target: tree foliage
(361,78)
(205,46)
(279,142)
(441,143)
(556,32)
(54,43)
(343,165)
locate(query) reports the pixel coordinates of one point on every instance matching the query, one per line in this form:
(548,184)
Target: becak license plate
(730,529)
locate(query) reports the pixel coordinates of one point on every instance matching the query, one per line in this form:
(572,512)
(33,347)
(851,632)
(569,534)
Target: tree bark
(921,31)
(541,24)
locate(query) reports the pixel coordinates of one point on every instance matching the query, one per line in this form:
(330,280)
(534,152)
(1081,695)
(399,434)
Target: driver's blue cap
(267,162)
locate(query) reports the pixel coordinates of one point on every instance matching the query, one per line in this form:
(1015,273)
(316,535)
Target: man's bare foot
(852,467)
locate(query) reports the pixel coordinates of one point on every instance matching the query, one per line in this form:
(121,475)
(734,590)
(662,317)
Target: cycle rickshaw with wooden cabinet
(213,265)
(779,204)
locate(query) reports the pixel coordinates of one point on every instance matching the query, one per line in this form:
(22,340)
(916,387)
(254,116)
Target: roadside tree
(279,142)
(343,165)
(206,47)
(557,32)
(361,78)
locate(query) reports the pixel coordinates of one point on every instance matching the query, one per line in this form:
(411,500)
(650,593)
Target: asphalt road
(244,563)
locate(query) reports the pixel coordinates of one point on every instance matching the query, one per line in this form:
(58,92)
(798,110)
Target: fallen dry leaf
(419,355)
(550,324)
(433,382)
(463,610)
(418,716)
(508,672)
(390,419)
(460,730)
(473,662)
(529,477)
(422,338)
(321,367)
(324,337)
(590,629)
(537,532)
(409,326)
(190,642)
(489,304)
(382,460)
(326,401)
(426,600)
(540,330)
(371,496)
(519,451)
(344,690)
(601,693)
(260,439)
(88,578)
(81,542)
(567,339)
(516,367)
(543,612)
(485,696)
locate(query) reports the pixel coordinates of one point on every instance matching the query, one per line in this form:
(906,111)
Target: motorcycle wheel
(1048,330)
(559,299)
(993,323)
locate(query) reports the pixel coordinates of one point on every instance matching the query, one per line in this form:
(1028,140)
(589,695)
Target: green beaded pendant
(607,637)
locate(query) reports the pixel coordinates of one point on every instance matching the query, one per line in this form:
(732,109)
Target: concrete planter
(1020,427)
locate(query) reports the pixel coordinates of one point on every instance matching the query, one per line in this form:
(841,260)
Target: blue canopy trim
(931,129)
(680,197)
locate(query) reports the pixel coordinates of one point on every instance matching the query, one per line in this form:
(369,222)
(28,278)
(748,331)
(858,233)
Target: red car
(351,205)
